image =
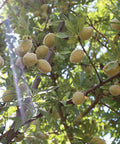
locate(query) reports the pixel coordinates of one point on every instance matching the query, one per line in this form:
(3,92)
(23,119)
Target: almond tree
(60,71)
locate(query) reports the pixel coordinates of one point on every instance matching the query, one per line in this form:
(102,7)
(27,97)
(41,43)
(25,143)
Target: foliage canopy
(43,110)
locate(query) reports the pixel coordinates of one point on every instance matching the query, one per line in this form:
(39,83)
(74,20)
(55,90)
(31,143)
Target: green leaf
(54,23)
(65,52)
(18,123)
(70,26)
(63,34)
(80,23)
(72,40)
(63,102)
(50,89)
(77,80)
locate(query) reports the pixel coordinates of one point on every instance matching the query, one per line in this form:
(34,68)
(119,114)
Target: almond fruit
(114,90)
(49,40)
(44,66)
(78,98)
(42,51)
(29,59)
(76,56)
(110,70)
(24,47)
(86,33)
(115,24)
(8,96)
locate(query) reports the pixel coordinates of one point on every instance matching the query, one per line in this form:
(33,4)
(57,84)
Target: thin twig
(89,59)
(42,34)
(110,108)
(34,118)
(96,29)
(92,106)
(102,43)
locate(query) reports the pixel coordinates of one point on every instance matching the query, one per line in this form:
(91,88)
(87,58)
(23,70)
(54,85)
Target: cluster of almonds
(112,68)
(111,71)
(76,56)
(28,58)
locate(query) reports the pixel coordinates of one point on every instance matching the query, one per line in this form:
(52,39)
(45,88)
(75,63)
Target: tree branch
(36,81)
(92,105)
(34,118)
(102,83)
(110,108)
(96,29)
(89,59)
(92,89)
(11,133)
(63,119)
(101,43)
